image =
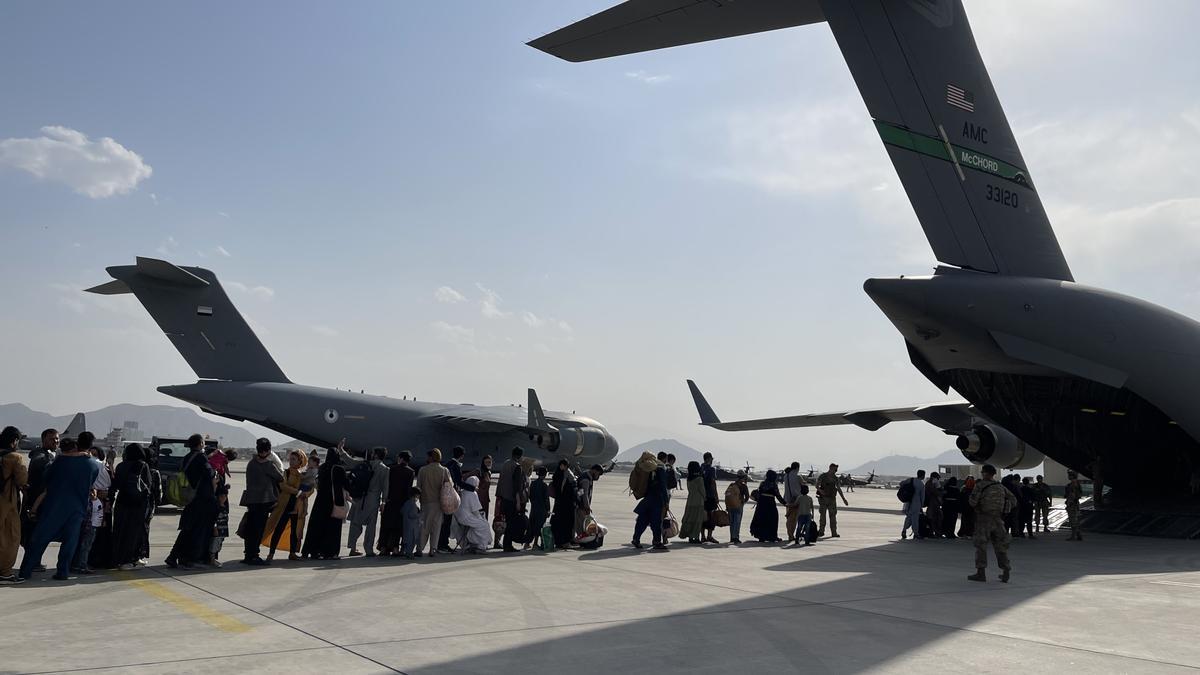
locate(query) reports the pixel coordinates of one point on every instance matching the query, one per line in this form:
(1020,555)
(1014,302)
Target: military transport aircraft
(77,426)
(1099,381)
(240,380)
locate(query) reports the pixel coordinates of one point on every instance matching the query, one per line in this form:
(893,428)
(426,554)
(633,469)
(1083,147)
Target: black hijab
(693,470)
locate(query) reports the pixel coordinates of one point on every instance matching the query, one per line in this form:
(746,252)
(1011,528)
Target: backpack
(733,497)
(906,491)
(810,532)
(179,489)
(639,477)
(360,480)
(137,487)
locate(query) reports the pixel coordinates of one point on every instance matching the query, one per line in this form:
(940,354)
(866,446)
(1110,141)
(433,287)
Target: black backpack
(906,491)
(360,480)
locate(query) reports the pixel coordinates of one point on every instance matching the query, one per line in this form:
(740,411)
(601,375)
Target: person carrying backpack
(652,508)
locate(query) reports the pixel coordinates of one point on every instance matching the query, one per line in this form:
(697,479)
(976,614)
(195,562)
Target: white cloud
(154,198)
(489,305)
(646,78)
(260,292)
(222,214)
(532,319)
(460,336)
(222,251)
(72,303)
(323,330)
(565,327)
(448,295)
(97,169)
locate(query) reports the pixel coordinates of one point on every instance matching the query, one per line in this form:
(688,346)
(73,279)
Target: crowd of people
(101,510)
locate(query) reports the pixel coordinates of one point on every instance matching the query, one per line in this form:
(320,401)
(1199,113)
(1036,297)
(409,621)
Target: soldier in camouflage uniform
(1041,507)
(991,501)
(828,490)
(1073,494)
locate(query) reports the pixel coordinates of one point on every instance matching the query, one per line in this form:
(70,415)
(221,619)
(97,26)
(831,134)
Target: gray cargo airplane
(1099,381)
(239,380)
(77,425)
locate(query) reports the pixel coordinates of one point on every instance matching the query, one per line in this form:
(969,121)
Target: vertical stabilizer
(194,312)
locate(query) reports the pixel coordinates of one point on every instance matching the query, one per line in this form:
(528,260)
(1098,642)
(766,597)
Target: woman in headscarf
(286,512)
(132,491)
(562,488)
(485,484)
(694,513)
(539,506)
(324,537)
(471,529)
(765,526)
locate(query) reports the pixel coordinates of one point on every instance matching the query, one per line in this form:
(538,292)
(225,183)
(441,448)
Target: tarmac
(864,602)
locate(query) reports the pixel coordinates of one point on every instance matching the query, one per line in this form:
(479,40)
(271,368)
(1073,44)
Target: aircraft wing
(496,419)
(953,415)
(643,25)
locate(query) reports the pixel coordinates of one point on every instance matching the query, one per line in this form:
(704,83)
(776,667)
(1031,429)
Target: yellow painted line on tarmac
(199,610)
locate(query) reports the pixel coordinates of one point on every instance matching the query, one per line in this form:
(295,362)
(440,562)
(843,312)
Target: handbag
(720,518)
(670,527)
(450,499)
(341,512)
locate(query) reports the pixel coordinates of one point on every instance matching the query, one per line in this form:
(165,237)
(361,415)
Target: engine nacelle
(988,444)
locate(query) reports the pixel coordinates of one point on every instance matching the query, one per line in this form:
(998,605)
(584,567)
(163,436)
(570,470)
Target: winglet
(707,416)
(537,418)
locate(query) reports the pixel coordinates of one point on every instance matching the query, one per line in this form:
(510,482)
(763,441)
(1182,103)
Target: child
(221,527)
(87,536)
(804,514)
(412,523)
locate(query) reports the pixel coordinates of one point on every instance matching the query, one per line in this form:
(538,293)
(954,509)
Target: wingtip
(707,416)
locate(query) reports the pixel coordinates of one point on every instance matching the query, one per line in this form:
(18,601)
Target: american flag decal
(204,311)
(960,98)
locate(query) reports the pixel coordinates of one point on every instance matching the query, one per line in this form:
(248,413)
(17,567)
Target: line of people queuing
(654,478)
(934,508)
(101,512)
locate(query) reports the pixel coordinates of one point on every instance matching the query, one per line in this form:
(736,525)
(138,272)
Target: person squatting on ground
(991,500)
(828,490)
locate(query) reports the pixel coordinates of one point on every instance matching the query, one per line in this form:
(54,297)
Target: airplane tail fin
(920,74)
(77,426)
(707,416)
(537,418)
(192,309)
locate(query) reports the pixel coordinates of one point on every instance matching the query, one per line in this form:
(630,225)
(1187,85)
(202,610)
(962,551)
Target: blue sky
(611,228)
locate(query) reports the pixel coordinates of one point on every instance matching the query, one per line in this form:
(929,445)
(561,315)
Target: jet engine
(572,441)
(988,444)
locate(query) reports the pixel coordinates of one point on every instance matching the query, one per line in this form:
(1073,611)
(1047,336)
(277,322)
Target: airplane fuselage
(1086,375)
(325,416)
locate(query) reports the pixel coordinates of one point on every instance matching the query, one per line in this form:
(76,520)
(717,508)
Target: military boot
(1004,575)
(978,576)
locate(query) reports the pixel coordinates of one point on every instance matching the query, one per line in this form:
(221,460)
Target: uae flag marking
(960,98)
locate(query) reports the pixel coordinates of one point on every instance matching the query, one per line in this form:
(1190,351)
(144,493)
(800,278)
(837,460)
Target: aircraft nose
(611,446)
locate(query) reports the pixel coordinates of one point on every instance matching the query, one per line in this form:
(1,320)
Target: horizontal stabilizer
(643,25)
(114,287)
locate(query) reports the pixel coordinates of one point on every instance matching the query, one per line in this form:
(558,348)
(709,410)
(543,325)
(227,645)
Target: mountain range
(906,465)
(153,420)
(683,453)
